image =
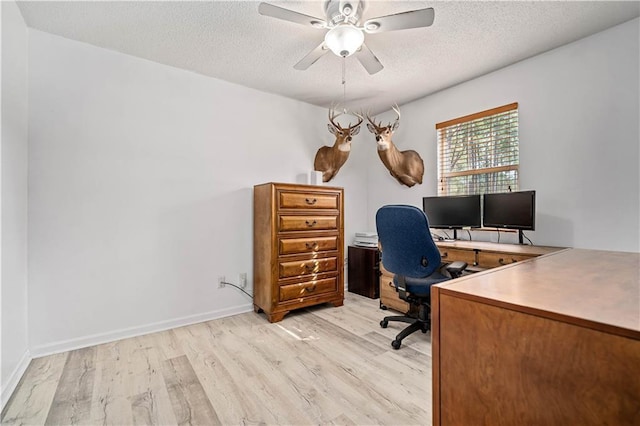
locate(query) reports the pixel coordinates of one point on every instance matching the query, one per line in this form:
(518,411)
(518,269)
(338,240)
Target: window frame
(443,188)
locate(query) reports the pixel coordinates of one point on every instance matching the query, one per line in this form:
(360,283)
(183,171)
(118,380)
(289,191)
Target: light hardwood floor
(322,365)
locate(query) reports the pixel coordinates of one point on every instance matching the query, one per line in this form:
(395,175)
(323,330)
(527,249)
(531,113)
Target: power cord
(239,288)
(530,242)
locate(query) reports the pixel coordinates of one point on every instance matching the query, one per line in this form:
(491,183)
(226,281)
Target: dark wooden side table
(364,271)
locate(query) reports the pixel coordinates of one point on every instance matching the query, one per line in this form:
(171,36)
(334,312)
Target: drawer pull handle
(310,267)
(445,255)
(311,246)
(311,289)
(502,262)
(311,201)
(311,224)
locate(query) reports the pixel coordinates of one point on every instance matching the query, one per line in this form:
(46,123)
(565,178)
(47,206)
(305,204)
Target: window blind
(479,153)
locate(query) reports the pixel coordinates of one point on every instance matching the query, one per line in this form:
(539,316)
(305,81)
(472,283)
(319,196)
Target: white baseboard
(14,379)
(98,339)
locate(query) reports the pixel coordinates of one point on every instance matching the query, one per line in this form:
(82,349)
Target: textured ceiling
(229,40)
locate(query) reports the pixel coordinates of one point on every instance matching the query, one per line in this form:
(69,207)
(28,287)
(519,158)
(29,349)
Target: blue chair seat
(421,286)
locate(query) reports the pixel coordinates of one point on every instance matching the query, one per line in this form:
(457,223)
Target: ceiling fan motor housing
(344,11)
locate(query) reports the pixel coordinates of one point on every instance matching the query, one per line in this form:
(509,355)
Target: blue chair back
(407,246)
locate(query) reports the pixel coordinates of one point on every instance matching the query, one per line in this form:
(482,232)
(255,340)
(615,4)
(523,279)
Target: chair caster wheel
(384,323)
(396,344)
(424,330)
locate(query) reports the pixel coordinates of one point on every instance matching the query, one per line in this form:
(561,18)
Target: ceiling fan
(346,29)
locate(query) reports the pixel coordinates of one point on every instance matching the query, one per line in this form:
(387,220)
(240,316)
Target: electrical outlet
(243,280)
(221,281)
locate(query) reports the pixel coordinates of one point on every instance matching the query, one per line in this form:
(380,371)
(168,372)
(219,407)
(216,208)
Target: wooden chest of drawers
(298,247)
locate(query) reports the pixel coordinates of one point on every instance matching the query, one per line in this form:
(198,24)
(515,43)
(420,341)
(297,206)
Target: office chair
(408,251)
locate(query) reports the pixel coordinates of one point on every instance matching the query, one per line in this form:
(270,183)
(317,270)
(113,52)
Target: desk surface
(498,247)
(595,289)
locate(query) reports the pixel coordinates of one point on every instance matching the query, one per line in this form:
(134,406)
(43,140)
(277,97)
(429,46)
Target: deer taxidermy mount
(329,159)
(406,166)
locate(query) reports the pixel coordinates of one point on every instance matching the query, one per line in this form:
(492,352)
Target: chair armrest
(455,268)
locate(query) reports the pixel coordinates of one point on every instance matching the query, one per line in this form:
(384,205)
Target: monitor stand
(520,235)
(450,240)
(455,237)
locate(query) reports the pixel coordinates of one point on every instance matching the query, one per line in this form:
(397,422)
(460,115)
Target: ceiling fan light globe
(344,39)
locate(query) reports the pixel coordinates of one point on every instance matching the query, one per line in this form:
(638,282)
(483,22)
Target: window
(478,153)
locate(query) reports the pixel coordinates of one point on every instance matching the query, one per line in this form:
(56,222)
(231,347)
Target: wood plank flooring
(321,365)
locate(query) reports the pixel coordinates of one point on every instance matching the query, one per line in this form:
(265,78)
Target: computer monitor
(510,210)
(453,211)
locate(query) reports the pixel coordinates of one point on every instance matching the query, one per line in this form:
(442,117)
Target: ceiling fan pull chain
(344,85)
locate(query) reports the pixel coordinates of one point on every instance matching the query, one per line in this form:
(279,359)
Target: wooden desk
(477,254)
(484,255)
(551,340)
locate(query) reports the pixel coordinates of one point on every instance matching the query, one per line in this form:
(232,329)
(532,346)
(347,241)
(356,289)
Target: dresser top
(299,186)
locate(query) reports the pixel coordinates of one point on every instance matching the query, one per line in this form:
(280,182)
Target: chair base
(415,324)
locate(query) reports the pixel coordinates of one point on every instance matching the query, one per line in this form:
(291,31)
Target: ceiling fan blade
(368,60)
(267,9)
(400,21)
(311,57)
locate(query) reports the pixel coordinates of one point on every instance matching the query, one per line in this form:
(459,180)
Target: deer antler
(373,123)
(396,109)
(360,120)
(333,116)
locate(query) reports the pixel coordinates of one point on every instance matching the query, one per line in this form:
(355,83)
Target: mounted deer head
(406,166)
(330,159)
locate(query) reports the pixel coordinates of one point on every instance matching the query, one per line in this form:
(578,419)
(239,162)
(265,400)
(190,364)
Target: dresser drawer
(299,200)
(307,223)
(307,245)
(452,255)
(308,288)
(308,267)
(493,260)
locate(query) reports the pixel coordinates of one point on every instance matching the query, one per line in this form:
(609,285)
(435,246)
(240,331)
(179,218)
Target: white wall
(141,189)
(579,139)
(13,231)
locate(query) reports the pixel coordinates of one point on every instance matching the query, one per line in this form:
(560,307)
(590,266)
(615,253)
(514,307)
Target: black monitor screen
(514,210)
(452,212)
